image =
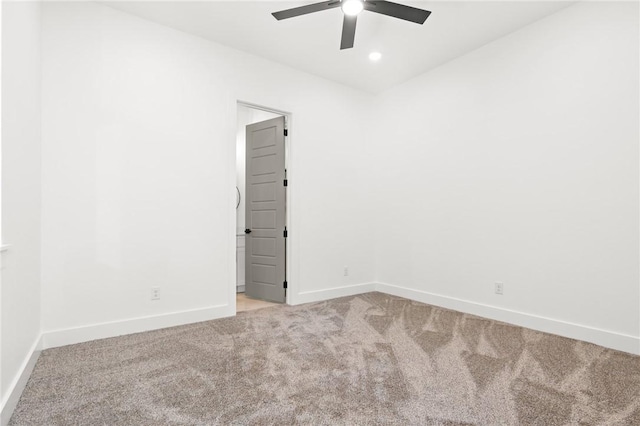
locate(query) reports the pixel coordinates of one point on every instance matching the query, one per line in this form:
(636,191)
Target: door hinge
(286,132)
(286,182)
(284,284)
(285,233)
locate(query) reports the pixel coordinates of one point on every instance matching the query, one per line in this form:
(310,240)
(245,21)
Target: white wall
(20,274)
(518,163)
(139,133)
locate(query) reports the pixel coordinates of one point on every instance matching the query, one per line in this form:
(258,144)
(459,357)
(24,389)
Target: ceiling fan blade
(348,32)
(303,10)
(396,10)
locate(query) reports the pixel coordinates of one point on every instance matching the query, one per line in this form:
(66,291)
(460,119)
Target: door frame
(291,268)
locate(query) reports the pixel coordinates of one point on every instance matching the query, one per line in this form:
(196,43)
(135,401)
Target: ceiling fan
(351,9)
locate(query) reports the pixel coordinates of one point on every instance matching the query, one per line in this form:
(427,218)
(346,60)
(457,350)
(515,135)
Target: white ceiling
(311,42)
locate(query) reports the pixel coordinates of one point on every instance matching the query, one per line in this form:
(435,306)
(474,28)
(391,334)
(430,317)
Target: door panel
(265,211)
(263,165)
(263,220)
(264,192)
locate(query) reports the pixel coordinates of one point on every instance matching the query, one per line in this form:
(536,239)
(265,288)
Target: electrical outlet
(499,288)
(346,271)
(155,293)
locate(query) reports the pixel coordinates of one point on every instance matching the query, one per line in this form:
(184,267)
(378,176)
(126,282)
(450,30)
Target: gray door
(265,211)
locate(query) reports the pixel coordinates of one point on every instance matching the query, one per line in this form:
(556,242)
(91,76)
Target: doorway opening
(261,207)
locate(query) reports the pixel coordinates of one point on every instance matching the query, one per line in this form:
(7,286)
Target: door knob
(247,231)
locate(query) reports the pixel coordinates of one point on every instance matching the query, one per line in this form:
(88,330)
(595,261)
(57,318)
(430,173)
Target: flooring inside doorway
(244,303)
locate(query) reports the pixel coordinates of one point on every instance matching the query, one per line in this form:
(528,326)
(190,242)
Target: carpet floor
(360,360)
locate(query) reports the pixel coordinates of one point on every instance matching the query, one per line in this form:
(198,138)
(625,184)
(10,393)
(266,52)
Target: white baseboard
(332,293)
(70,336)
(609,339)
(16,388)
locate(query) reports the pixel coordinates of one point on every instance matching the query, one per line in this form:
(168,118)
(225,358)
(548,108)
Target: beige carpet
(368,359)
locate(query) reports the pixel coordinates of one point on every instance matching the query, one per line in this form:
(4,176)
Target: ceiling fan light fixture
(352,7)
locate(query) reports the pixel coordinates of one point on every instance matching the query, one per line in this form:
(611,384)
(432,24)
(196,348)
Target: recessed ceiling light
(352,7)
(375,56)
